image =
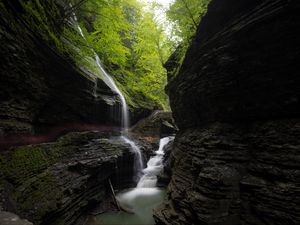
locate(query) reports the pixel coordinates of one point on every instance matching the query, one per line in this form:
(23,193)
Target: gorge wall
(235,100)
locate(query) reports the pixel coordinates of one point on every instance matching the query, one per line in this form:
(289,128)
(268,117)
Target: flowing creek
(140,200)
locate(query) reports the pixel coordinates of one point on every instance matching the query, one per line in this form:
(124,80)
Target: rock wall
(57,183)
(236,102)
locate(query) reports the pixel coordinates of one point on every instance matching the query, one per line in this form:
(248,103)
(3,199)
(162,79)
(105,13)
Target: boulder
(158,124)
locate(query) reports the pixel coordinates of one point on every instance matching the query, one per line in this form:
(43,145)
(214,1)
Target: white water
(154,166)
(142,199)
(109,82)
(147,184)
(138,161)
(146,195)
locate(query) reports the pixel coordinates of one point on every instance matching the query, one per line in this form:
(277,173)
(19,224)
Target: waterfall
(154,166)
(138,162)
(144,197)
(109,82)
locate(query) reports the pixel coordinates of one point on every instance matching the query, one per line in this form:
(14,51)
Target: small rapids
(140,200)
(154,166)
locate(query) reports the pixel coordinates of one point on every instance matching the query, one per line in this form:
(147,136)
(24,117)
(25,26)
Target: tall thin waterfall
(138,162)
(109,82)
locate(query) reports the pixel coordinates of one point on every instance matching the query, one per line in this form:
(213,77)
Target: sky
(160,13)
(165,3)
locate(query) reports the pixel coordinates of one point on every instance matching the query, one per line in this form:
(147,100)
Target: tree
(130,42)
(185,16)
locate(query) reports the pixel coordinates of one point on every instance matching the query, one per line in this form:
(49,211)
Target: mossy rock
(56,181)
(38,196)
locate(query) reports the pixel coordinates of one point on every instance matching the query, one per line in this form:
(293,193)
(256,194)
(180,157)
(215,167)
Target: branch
(190,13)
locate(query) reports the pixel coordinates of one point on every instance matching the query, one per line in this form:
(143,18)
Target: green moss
(40,193)
(26,161)
(36,188)
(41,17)
(35,191)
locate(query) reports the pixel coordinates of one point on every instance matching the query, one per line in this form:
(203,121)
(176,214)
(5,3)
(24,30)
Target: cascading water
(138,162)
(109,82)
(142,199)
(154,166)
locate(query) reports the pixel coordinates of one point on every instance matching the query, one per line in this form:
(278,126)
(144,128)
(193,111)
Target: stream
(140,200)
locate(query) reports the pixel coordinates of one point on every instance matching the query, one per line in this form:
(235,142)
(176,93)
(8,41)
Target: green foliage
(185,16)
(124,34)
(127,36)
(110,29)
(26,161)
(132,45)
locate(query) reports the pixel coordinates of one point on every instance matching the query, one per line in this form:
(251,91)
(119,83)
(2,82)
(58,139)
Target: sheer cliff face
(236,102)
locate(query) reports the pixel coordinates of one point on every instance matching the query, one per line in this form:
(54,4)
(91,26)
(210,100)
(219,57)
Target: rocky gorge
(60,116)
(234,99)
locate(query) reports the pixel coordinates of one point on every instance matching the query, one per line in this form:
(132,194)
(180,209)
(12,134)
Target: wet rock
(228,174)
(40,84)
(163,179)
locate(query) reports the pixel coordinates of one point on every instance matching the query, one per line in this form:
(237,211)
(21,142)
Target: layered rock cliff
(56,183)
(236,102)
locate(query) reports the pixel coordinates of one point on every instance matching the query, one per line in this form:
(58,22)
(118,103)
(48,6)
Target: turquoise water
(141,201)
